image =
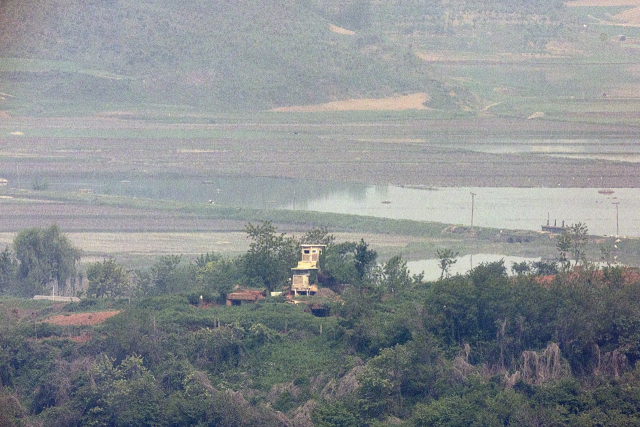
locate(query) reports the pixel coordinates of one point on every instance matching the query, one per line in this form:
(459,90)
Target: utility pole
(617,228)
(473,195)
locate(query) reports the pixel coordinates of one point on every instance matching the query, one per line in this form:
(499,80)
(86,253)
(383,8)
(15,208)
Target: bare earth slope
(81,319)
(629,17)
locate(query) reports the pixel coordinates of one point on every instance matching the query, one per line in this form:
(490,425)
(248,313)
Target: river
(502,208)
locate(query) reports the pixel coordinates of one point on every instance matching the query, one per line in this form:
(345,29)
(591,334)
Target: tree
(46,257)
(126,394)
(166,276)
(349,263)
(365,258)
(446,258)
(573,241)
(204,259)
(318,236)
(520,268)
(270,257)
(333,415)
(396,275)
(218,277)
(544,268)
(337,264)
(381,381)
(107,279)
(8,268)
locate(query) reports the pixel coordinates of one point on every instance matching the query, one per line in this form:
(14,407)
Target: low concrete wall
(61,299)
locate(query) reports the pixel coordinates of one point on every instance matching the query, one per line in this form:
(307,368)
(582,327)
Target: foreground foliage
(481,349)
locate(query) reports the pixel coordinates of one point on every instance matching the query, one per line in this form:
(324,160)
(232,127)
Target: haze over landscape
(246,55)
(500,94)
(148,139)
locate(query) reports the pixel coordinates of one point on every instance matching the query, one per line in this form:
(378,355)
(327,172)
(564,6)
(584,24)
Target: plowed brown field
(81,319)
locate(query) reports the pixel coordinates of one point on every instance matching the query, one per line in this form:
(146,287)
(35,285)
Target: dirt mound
(82,319)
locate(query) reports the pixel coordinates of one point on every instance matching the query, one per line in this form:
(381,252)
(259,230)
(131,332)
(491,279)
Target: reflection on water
(432,271)
(249,192)
(502,208)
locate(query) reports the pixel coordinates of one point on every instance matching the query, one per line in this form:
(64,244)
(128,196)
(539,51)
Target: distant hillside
(243,54)
(61,56)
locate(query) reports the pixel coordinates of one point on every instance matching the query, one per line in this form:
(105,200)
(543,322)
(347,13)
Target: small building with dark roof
(246,296)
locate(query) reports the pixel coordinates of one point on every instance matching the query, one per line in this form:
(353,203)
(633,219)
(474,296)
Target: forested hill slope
(254,55)
(241,54)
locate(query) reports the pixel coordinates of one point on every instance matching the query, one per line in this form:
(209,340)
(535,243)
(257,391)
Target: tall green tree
(8,268)
(318,236)
(337,264)
(544,268)
(446,258)
(107,279)
(521,268)
(126,394)
(381,381)
(46,258)
(218,277)
(365,259)
(169,277)
(270,257)
(573,241)
(396,277)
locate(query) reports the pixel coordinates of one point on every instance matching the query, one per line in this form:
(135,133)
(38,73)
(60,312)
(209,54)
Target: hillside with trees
(247,55)
(485,348)
(234,55)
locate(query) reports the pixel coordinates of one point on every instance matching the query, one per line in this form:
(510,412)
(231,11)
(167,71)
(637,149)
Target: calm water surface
(503,208)
(431,267)
(508,208)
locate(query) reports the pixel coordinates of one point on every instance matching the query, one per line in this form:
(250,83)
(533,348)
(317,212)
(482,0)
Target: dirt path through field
(397,103)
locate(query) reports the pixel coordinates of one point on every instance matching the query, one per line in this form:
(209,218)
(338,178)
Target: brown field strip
(81,319)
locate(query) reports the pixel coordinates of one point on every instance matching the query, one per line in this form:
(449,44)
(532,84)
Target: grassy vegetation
(338,222)
(483,240)
(450,352)
(482,347)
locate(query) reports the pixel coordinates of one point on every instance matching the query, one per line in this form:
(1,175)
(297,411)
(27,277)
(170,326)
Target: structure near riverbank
(301,280)
(554,228)
(57,298)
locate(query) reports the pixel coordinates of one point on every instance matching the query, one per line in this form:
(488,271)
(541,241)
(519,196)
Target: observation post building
(301,283)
